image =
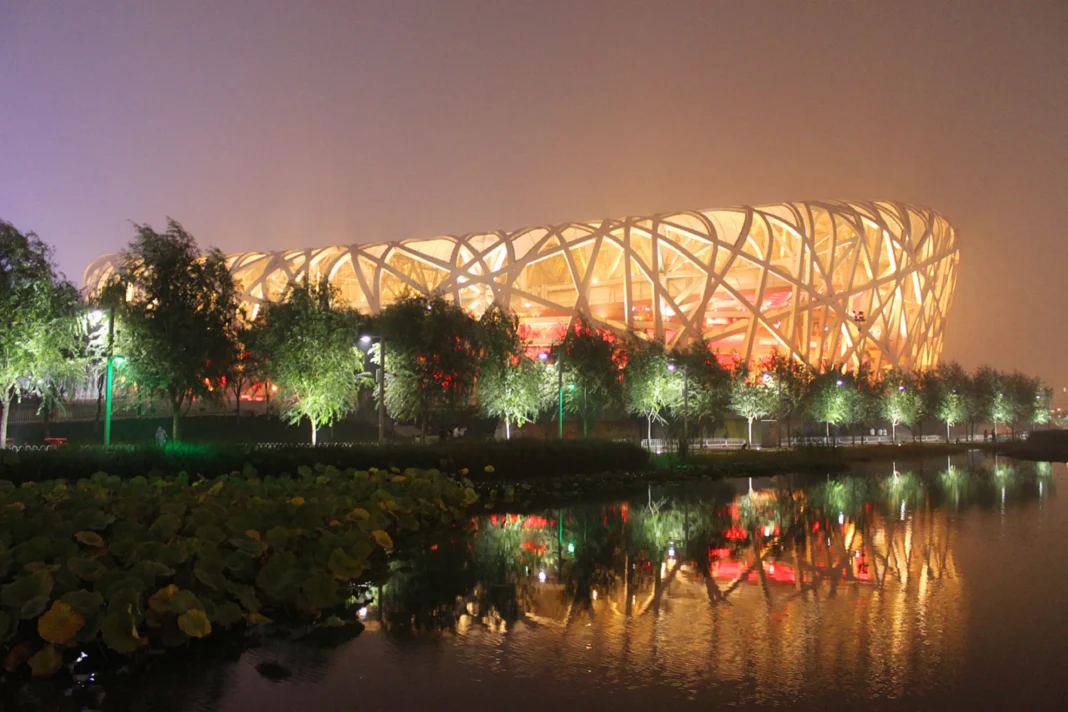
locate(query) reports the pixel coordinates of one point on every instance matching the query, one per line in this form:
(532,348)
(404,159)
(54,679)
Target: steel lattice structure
(828,282)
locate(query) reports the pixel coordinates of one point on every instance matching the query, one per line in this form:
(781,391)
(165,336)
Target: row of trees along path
(173,312)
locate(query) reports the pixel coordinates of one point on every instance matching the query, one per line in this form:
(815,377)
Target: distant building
(825,281)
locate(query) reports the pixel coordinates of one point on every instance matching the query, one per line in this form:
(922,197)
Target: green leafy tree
(509,383)
(708,383)
(38,337)
(1043,405)
(948,394)
(995,402)
(649,388)
(830,400)
(433,351)
(751,394)
(788,381)
(591,371)
(309,347)
(179,313)
(862,399)
(899,399)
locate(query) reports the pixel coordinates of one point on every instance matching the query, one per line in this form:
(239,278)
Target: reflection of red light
(721,553)
(433,547)
(778,573)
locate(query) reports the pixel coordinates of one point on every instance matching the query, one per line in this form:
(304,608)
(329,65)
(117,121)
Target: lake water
(938,585)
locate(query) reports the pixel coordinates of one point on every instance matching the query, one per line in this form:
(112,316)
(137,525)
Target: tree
(1043,400)
(900,400)
(432,357)
(591,369)
(949,388)
(994,403)
(861,391)
(309,347)
(509,383)
(179,313)
(751,396)
(708,382)
(246,369)
(649,388)
(788,381)
(829,400)
(38,338)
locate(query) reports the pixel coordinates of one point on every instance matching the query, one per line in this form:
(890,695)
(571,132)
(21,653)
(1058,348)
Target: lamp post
(109,380)
(685,405)
(369,339)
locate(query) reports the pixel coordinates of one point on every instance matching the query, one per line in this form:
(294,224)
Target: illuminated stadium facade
(827,282)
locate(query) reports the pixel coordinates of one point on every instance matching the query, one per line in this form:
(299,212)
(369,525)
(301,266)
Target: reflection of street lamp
(369,339)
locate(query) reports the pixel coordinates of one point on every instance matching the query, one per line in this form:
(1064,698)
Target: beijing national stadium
(828,282)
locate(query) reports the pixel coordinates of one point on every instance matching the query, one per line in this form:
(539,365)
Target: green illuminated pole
(110,379)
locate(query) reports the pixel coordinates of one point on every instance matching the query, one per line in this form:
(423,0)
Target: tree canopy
(433,348)
(308,346)
(38,339)
(509,383)
(649,387)
(591,371)
(179,313)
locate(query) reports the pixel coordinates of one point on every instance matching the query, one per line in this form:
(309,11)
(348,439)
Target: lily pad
(194,623)
(46,661)
(60,623)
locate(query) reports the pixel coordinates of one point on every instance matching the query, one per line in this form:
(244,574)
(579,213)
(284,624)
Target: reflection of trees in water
(852,574)
(795,539)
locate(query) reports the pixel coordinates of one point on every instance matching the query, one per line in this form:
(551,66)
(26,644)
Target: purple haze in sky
(264,125)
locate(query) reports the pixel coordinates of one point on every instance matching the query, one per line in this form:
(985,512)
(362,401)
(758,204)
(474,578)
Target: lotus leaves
(160,561)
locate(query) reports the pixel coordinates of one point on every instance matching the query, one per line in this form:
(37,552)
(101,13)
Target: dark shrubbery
(517,459)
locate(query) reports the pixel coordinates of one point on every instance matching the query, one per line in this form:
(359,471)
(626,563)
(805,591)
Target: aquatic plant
(156,562)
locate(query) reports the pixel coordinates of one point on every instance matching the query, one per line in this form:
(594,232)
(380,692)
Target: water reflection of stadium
(752,580)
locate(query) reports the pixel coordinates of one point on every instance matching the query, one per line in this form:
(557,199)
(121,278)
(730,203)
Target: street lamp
(109,380)
(113,361)
(381,340)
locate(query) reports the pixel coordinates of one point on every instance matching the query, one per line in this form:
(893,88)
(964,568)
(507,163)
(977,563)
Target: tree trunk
(649,436)
(46,416)
(99,402)
(893,432)
(750,441)
(3,422)
(947,432)
(314,441)
(237,395)
(176,417)
(507,430)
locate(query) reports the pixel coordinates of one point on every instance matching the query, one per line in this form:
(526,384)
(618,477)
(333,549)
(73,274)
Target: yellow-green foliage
(156,562)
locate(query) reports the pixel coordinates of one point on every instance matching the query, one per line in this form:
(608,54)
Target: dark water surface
(939,587)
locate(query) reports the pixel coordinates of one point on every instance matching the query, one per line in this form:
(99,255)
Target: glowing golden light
(828,281)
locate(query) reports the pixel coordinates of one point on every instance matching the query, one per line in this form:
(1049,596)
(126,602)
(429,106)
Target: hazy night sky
(265,125)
